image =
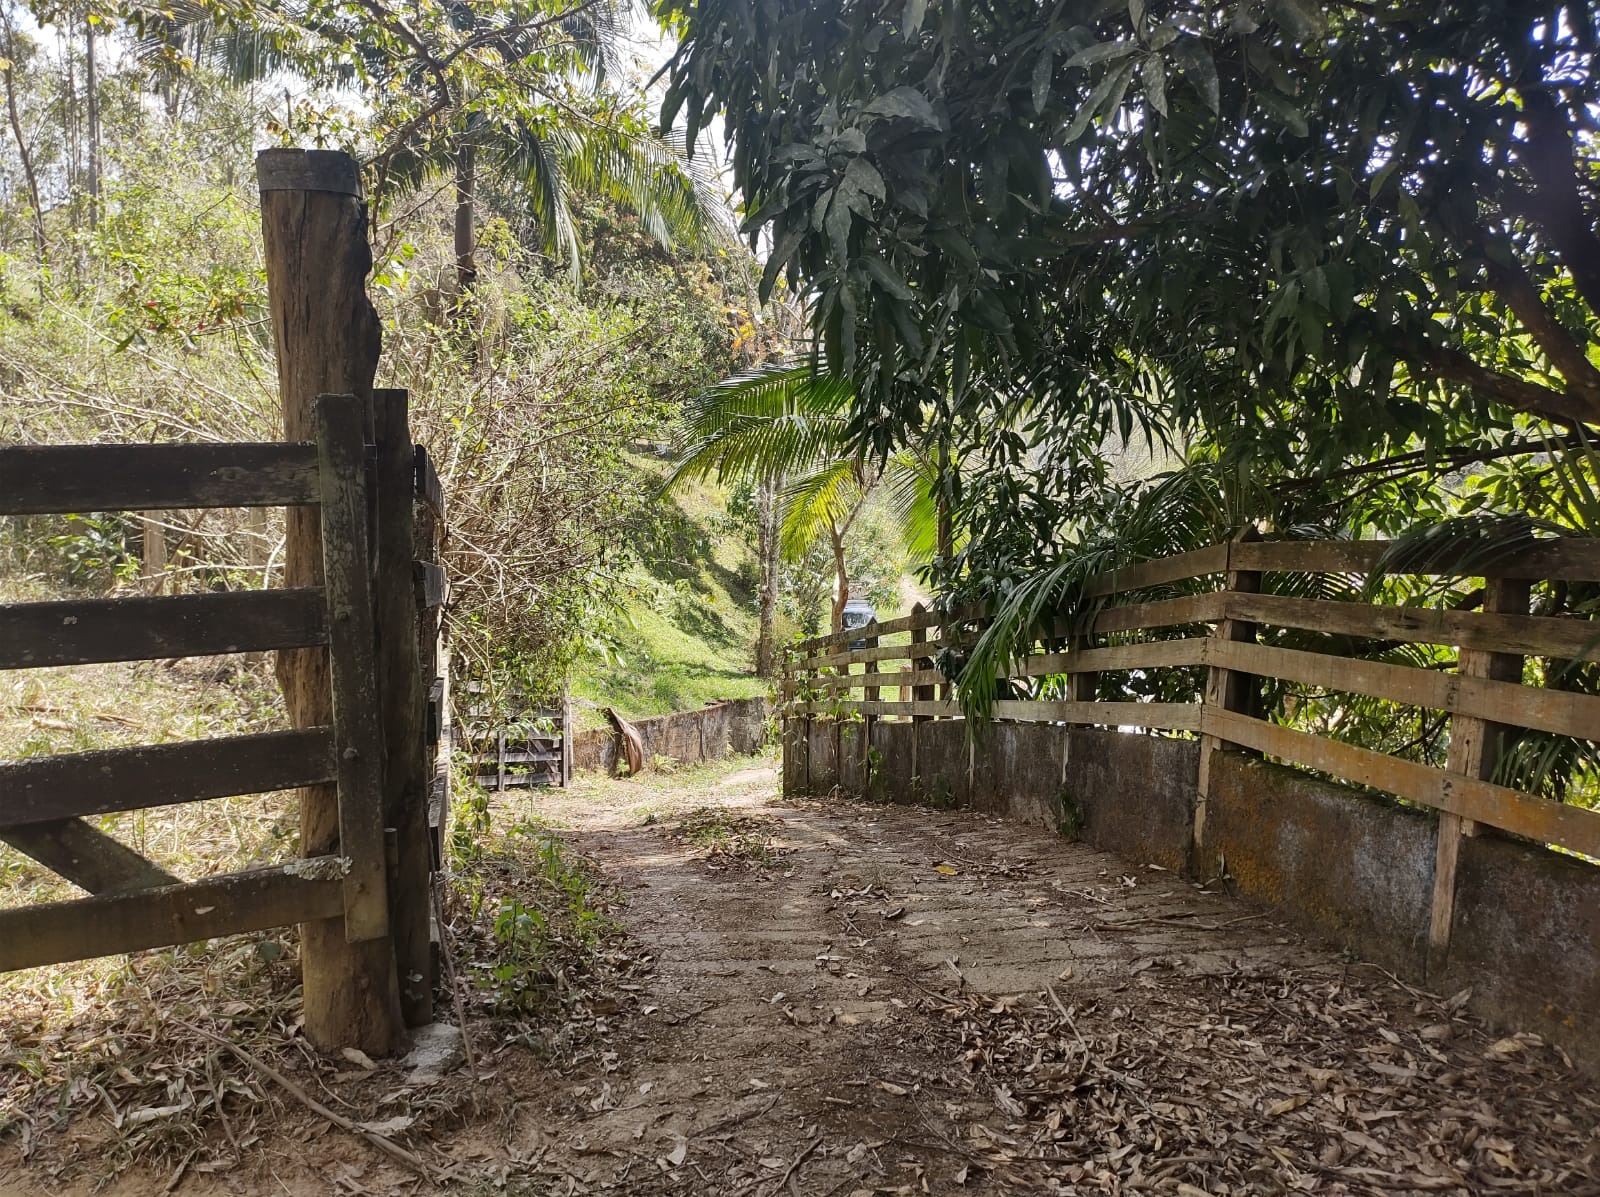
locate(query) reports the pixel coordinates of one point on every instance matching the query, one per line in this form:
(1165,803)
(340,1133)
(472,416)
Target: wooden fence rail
(1482,697)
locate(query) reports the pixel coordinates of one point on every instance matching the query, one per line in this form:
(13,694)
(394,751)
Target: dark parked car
(858,613)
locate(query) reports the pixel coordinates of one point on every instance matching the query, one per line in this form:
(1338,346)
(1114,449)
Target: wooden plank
(56,479)
(158,627)
(86,856)
(403,699)
(47,788)
(1152,654)
(881,652)
(1213,559)
(428,488)
(173,914)
(888,627)
(1134,617)
(1576,559)
(1173,716)
(883,707)
(357,729)
(1570,827)
(1561,712)
(517,758)
(1309,556)
(428,579)
(857,681)
(1528,635)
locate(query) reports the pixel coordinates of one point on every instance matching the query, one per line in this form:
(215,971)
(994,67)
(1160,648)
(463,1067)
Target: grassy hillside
(688,633)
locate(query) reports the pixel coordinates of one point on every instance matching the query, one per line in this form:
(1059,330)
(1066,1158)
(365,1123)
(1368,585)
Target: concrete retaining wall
(735,725)
(1336,861)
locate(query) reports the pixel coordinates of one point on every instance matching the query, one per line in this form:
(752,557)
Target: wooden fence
(44,802)
(1218,630)
(516,742)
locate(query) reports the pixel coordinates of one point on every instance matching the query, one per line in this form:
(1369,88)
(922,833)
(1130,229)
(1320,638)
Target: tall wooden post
(314,231)
(1476,746)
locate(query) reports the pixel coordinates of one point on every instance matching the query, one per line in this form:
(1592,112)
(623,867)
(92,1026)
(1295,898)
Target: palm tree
(786,426)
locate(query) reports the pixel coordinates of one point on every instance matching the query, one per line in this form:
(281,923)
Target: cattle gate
(379,510)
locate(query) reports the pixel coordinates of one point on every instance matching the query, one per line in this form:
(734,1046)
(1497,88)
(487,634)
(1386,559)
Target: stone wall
(735,725)
(1338,862)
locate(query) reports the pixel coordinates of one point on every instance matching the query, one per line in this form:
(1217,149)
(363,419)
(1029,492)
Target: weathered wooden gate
(517,742)
(361,506)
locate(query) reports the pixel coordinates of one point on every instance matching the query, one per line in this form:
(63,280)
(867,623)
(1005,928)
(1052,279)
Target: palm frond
(821,500)
(911,481)
(538,164)
(782,419)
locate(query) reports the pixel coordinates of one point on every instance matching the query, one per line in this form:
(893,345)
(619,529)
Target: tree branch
(1450,365)
(1556,203)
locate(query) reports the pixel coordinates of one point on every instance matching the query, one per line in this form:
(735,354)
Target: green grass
(689,633)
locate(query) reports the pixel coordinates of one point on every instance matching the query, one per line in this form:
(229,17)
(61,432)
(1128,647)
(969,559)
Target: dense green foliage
(1313,236)
(1327,269)
(143,317)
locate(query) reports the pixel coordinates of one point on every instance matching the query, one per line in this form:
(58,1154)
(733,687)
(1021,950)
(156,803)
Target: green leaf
(1299,19)
(1136,12)
(861,176)
(1104,52)
(1154,73)
(885,277)
(1113,83)
(1043,73)
(906,103)
(1286,113)
(1200,71)
(911,18)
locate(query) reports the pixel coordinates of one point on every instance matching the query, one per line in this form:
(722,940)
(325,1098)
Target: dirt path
(906,1000)
(844,1000)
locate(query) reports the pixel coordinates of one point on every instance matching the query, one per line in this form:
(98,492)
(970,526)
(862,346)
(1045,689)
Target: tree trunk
(91,83)
(314,228)
(768,553)
(466,230)
(841,578)
(946,526)
(23,152)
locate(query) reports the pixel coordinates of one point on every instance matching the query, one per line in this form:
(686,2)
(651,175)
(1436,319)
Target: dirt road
(843,999)
(907,1000)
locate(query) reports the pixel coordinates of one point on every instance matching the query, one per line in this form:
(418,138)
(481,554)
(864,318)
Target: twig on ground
(794,1167)
(448,957)
(388,1146)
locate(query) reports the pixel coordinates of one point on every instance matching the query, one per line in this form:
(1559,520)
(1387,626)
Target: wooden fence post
(919,694)
(1476,746)
(327,337)
(403,704)
(1226,689)
(566,733)
(868,694)
(432,653)
(357,723)
(153,563)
